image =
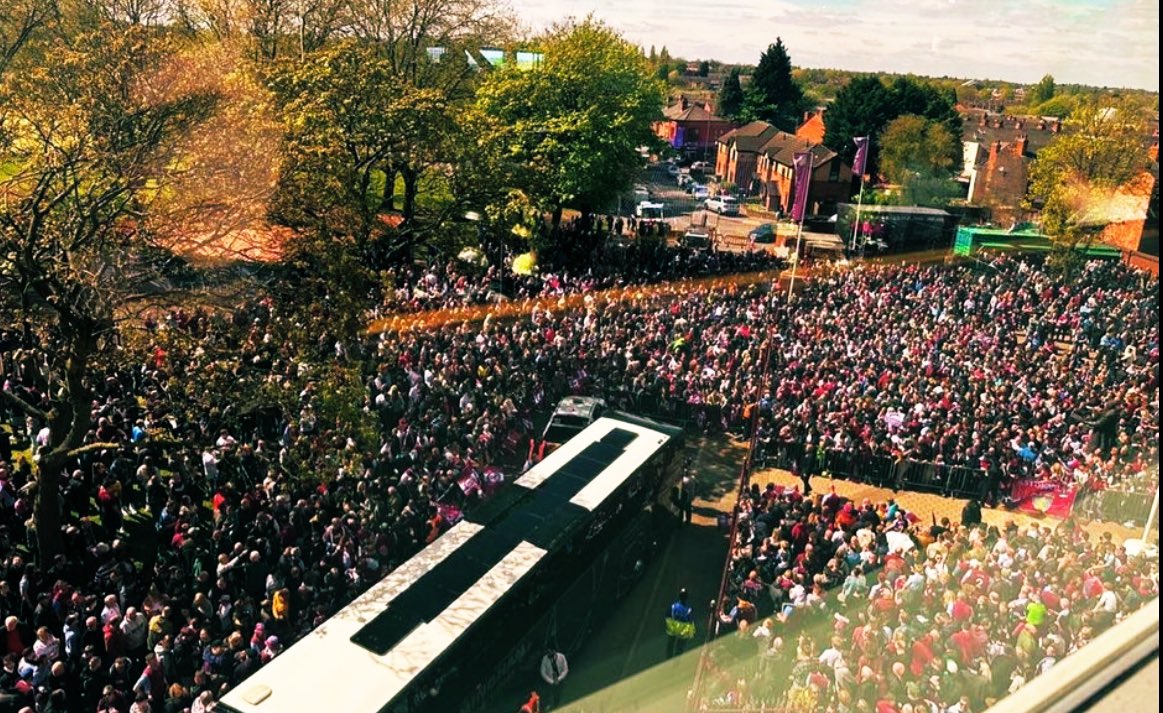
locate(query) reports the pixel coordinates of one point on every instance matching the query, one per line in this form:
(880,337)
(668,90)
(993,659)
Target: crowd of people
(269,469)
(604,259)
(866,608)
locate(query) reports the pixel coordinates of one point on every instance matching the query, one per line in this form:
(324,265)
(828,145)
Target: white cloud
(1099,42)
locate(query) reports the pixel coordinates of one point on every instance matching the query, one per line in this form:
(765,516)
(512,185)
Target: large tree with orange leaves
(86,148)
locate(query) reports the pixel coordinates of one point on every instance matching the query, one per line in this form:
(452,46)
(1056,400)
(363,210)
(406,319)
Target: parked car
(699,191)
(684,180)
(700,166)
(641,193)
(673,169)
(764,233)
(723,205)
(696,239)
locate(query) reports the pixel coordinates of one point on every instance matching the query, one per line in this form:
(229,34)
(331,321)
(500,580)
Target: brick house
(831,177)
(997,150)
(1000,182)
(738,151)
(691,126)
(813,128)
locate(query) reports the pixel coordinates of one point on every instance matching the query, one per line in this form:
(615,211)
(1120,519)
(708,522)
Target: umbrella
(525,264)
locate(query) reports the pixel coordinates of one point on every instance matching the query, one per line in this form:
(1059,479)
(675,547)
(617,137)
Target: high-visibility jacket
(680,622)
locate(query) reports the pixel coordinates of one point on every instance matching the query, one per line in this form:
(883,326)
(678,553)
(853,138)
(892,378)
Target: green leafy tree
(571,130)
(731,96)
(1074,179)
(350,124)
(1060,105)
(773,94)
(865,106)
(1041,92)
(912,146)
(90,143)
(704,68)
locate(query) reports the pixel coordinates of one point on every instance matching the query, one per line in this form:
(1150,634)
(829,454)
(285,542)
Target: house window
(834,171)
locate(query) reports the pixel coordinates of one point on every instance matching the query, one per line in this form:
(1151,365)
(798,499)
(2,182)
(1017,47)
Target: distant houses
(691,126)
(758,159)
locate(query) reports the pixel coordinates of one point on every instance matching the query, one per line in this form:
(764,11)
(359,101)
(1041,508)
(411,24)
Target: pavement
(623,666)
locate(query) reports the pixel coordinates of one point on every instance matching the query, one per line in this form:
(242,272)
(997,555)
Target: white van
(648,210)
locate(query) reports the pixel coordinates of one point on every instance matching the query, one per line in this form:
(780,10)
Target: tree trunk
(388,201)
(411,189)
(69,421)
(47,509)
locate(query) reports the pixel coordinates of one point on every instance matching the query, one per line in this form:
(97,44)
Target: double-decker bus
(450,625)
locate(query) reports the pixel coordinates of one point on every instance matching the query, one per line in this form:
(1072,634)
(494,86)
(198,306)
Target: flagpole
(796,262)
(858,166)
(859,205)
(802,163)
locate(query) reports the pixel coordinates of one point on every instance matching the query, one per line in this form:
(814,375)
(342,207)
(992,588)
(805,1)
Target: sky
(1097,42)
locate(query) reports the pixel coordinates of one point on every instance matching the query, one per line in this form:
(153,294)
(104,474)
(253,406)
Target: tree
(92,141)
(919,155)
(349,124)
(865,106)
(571,130)
(774,96)
(1075,179)
(1041,92)
(704,68)
(731,96)
(912,145)
(20,20)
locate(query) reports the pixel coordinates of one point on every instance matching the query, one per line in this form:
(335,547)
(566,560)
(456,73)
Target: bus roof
(291,682)
(638,452)
(399,628)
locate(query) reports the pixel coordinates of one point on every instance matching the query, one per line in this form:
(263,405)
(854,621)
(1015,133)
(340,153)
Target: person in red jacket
(533,704)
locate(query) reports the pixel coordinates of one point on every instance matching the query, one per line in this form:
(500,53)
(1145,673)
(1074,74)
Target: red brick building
(691,126)
(738,152)
(831,177)
(813,128)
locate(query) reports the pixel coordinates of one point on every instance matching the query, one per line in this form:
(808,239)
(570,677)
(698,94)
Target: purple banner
(679,135)
(802,177)
(858,163)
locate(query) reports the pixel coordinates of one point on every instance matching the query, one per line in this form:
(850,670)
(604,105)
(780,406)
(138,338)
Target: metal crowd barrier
(879,470)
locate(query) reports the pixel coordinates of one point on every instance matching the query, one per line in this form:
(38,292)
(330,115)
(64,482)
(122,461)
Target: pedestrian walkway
(928,505)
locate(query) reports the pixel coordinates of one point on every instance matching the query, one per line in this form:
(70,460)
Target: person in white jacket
(554,669)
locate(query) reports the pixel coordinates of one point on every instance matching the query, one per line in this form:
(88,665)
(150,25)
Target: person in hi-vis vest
(680,625)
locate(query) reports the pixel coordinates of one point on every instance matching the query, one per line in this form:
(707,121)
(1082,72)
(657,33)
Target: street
(622,666)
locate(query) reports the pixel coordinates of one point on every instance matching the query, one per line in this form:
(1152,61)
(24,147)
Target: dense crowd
(269,470)
(861,608)
(606,259)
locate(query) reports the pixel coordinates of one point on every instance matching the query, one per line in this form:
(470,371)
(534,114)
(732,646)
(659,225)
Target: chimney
(991,162)
(808,116)
(684,103)
(1020,145)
